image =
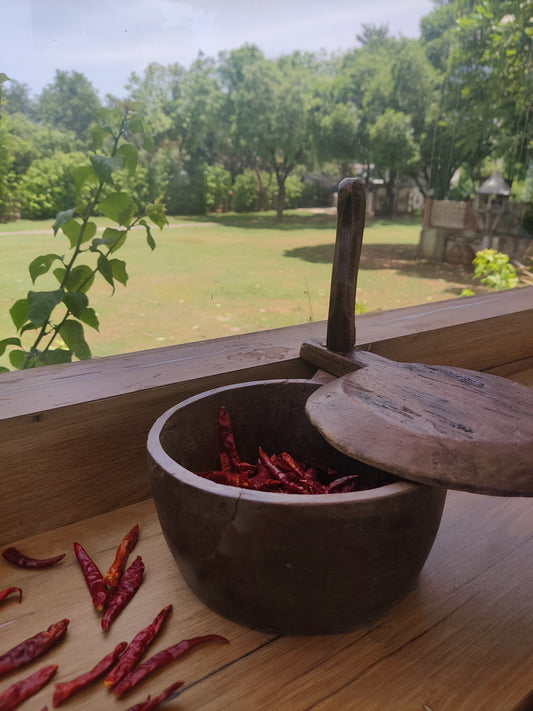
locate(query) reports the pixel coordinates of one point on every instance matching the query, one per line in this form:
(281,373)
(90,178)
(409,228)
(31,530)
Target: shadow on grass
(268,221)
(299,219)
(401,258)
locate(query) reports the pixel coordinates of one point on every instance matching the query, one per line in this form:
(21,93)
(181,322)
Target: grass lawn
(229,274)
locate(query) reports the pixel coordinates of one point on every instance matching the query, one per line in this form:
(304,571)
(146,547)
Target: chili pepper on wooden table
(14,556)
(113,575)
(136,648)
(128,586)
(93,577)
(32,648)
(151,704)
(15,694)
(65,689)
(8,591)
(161,659)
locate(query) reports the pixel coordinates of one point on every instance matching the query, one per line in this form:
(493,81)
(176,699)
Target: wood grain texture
(351,211)
(76,434)
(479,332)
(433,424)
(462,640)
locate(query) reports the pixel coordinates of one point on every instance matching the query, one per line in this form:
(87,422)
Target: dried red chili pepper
(228,438)
(161,659)
(14,556)
(276,473)
(128,586)
(344,484)
(32,648)
(113,575)
(8,591)
(93,577)
(14,695)
(150,704)
(136,648)
(65,689)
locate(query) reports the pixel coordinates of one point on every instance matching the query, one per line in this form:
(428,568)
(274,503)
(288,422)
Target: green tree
(394,150)
(270,116)
(492,61)
(156,93)
(9,208)
(16,98)
(69,103)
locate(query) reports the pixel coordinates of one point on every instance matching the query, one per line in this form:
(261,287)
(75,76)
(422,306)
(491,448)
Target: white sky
(108,39)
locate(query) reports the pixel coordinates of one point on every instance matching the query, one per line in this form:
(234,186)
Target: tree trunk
(390,192)
(281,197)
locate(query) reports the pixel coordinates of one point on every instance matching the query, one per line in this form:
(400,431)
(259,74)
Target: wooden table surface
(462,640)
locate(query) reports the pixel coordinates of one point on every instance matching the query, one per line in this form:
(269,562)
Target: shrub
(48,187)
(218,184)
(495,270)
(186,190)
(294,189)
(245,192)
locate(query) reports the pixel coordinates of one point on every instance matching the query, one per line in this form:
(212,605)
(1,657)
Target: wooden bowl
(284,563)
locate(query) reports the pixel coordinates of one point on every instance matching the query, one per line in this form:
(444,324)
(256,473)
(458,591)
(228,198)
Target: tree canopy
(457,99)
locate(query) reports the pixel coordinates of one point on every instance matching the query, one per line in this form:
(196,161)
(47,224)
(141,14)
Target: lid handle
(351,208)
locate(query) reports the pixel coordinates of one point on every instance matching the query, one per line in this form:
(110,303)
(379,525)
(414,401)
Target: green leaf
(119,207)
(27,327)
(99,133)
(105,166)
(4,343)
(157,214)
(79,233)
(72,229)
(19,313)
(59,274)
(41,304)
(89,317)
(3,78)
(119,270)
(55,356)
(84,174)
(130,155)
(89,232)
(18,359)
(40,265)
(62,218)
(106,270)
(112,238)
(72,333)
(149,238)
(79,279)
(136,125)
(76,302)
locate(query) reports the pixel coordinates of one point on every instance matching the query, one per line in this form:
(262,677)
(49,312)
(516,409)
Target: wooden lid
(436,425)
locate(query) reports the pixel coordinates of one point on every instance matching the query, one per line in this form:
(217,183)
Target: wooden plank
(77,433)
(477,332)
(460,640)
(469,608)
(72,462)
(60,592)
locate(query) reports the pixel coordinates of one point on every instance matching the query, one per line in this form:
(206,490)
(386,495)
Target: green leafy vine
(44,317)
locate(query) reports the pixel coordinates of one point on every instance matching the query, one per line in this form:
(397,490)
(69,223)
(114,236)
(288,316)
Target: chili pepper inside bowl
(285,563)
